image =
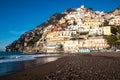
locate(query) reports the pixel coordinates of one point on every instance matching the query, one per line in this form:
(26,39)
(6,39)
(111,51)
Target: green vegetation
(106,23)
(84,33)
(114,39)
(113,30)
(54,18)
(111,40)
(34,40)
(117,42)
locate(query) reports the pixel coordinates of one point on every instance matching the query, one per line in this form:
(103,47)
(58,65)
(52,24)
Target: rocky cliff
(33,40)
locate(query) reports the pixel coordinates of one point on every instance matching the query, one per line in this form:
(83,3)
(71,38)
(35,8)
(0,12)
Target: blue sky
(19,16)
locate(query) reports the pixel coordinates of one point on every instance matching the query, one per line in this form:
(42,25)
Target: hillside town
(80,30)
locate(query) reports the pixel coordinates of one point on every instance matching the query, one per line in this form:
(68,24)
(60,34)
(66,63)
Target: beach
(79,66)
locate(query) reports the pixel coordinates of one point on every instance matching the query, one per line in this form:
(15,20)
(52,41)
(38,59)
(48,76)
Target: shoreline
(9,68)
(74,66)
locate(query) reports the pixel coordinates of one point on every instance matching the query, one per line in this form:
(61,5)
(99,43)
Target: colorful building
(107,30)
(93,23)
(115,21)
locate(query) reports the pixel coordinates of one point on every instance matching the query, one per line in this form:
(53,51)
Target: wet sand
(93,66)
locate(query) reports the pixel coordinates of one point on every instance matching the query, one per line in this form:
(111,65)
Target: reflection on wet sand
(38,61)
(13,67)
(45,60)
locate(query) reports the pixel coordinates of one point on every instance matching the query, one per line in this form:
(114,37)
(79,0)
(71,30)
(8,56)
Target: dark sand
(94,66)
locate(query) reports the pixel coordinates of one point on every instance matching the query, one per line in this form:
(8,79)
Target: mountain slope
(27,41)
(79,23)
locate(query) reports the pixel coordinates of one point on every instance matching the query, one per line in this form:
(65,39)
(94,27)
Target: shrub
(34,40)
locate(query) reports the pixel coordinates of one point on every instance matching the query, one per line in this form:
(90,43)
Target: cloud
(16,32)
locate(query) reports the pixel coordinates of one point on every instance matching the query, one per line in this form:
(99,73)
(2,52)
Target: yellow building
(52,34)
(93,23)
(59,39)
(107,30)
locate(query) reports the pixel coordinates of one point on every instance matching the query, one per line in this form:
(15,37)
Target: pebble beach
(80,66)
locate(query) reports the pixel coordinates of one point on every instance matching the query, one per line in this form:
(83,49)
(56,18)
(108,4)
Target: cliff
(71,20)
(27,42)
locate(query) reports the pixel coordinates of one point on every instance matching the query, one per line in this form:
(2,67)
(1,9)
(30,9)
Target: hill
(80,27)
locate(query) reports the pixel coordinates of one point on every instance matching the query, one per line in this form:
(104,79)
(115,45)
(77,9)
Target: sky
(19,16)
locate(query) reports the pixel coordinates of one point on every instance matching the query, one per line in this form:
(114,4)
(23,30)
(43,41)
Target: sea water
(11,62)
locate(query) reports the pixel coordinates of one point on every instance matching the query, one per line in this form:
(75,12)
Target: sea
(13,62)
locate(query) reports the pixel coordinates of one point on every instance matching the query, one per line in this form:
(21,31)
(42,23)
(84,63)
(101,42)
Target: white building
(115,21)
(96,31)
(66,33)
(71,46)
(84,28)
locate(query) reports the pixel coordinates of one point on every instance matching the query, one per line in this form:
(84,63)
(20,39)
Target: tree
(118,29)
(106,23)
(111,40)
(34,40)
(117,43)
(114,30)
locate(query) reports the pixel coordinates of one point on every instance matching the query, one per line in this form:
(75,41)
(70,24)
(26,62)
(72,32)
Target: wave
(14,58)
